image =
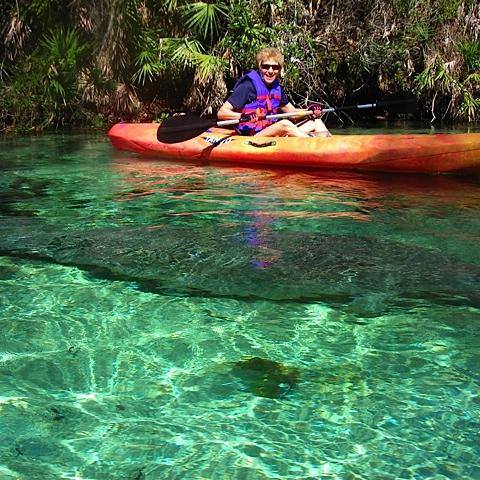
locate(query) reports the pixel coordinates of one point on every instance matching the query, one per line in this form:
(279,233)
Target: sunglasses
(268,66)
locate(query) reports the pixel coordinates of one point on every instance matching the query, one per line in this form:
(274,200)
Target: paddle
(184,127)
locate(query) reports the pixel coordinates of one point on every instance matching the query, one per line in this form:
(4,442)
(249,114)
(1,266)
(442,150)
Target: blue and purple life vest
(267,103)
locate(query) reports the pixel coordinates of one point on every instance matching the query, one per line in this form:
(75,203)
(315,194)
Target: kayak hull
(403,153)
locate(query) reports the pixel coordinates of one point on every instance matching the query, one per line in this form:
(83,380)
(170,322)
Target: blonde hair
(270,54)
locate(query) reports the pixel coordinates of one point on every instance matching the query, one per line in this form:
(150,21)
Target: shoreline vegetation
(90,64)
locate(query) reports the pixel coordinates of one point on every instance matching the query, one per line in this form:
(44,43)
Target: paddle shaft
(300,113)
(304,113)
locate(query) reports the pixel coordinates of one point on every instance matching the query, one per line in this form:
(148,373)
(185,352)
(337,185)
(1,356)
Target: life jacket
(267,103)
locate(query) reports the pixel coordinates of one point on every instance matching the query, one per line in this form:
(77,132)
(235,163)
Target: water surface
(218,367)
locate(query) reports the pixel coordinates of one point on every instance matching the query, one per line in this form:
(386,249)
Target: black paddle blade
(182,127)
(400,102)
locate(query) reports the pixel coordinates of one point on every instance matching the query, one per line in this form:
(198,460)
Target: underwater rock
(266,378)
(368,275)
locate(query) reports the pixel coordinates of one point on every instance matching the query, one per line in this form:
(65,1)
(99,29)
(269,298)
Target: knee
(286,125)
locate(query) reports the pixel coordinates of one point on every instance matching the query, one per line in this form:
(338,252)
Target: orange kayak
(457,153)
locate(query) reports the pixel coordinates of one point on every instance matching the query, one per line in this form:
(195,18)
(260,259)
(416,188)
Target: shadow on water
(46,149)
(19,189)
(253,244)
(364,275)
(265,378)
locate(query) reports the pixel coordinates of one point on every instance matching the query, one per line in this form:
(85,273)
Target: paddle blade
(400,102)
(182,127)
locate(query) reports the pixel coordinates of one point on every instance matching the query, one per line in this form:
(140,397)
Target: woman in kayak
(258,93)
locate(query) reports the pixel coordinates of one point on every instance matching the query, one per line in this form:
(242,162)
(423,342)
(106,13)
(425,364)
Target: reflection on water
(434,211)
(101,379)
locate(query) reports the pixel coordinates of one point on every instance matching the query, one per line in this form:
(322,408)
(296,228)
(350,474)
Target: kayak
(457,153)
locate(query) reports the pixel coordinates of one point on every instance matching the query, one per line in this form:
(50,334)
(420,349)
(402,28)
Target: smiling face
(269,69)
(270,63)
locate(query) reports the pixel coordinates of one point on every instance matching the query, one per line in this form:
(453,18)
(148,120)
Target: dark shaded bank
(363,275)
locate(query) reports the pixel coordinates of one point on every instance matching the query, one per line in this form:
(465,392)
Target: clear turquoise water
(101,379)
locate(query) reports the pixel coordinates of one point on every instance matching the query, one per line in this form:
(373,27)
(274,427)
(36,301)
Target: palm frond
(469,107)
(204,18)
(95,88)
(147,61)
(184,50)
(209,65)
(170,5)
(64,53)
(148,67)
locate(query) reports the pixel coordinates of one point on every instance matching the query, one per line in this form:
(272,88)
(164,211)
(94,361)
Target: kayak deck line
(454,153)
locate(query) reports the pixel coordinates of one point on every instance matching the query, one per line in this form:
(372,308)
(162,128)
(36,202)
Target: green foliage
(133,58)
(170,5)
(204,18)
(246,33)
(436,10)
(62,54)
(147,60)
(470,51)
(446,9)
(183,50)
(209,65)
(422,31)
(469,106)
(190,53)
(404,7)
(449,92)
(41,7)
(46,84)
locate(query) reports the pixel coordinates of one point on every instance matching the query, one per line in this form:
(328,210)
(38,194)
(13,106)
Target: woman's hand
(252,117)
(316,108)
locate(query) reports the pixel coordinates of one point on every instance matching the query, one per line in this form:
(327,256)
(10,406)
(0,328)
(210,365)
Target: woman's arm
(315,112)
(227,112)
(288,108)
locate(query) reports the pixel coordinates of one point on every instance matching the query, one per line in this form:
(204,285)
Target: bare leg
(283,128)
(316,127)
